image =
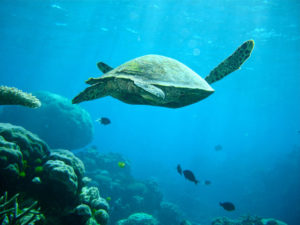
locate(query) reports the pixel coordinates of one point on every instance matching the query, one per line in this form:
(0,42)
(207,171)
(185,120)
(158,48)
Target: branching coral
(14,96)
(11,214)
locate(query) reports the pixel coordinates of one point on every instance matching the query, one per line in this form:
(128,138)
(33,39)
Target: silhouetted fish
(179,170)
(207,182)
(218,147)
(104,121)
(227,206)
(190,176)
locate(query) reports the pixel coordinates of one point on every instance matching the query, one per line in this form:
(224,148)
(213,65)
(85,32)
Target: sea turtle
(159,80)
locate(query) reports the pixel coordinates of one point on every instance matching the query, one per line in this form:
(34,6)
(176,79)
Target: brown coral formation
(14,96)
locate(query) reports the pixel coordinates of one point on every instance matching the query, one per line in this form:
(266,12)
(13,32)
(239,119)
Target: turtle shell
(160,71)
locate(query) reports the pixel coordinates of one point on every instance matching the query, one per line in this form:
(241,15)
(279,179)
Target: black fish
(190,176)
(227,206)
(207,182)
(218,147)
(179,170)
(104,120)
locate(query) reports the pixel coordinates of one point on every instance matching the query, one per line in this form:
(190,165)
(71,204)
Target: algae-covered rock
(57,121)
(139,219)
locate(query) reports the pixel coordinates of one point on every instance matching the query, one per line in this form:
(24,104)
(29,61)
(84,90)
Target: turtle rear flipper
(91,93)
(104,67)
(232,63)
(150,89)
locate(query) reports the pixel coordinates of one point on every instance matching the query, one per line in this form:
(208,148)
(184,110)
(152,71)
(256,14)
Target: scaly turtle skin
(159,80)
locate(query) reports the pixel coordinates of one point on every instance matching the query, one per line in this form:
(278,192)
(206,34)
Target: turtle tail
(232,63)
(93,92)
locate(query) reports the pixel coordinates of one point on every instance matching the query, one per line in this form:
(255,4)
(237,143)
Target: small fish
(108,199)
(121,164)
(179,170)
(104,120)
(228,206)
(104,29)
(190,176)
(218,147)
(207,182)
(131,30)
(55,6)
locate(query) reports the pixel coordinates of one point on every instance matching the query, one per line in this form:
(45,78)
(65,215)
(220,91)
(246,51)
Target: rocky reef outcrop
(58,122)
(52,178)
(247,220)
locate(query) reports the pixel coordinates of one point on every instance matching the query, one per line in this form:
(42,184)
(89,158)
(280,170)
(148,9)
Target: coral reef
(12,214)
(55,178)
(126,195)
(59,123)
(14,96)
(247,220)
(139,219)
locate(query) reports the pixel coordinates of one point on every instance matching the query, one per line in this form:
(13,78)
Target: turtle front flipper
(232,63)
(93,92)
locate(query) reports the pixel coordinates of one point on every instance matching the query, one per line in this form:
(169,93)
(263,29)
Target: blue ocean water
(254,113)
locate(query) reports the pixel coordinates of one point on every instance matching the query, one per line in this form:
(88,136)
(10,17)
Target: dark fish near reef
(104,121)
(218,147)
(228,206)
(179,170)
(190,176)
(207,182)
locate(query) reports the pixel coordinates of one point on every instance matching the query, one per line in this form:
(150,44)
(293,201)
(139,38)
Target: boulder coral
(60,176)
(53,178)
(139,219)
(58,122)
(70,159)
(18,149)
(169,213)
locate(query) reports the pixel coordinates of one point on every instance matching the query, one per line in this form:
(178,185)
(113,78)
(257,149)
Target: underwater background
(253,115)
